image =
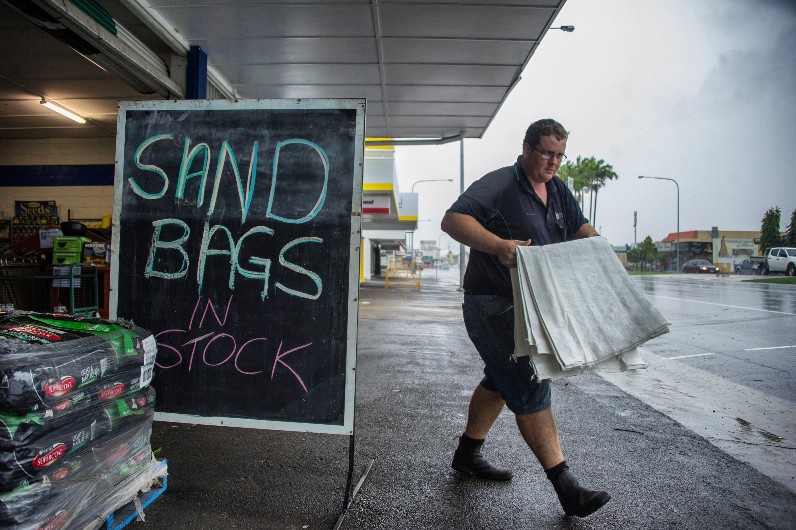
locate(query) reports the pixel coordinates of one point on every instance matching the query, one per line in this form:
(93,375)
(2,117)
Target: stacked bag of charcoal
(76,412)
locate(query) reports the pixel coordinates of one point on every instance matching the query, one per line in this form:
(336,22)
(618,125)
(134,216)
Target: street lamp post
(418,206)
(412,244)
(429,180)
(439,256)
(678,213)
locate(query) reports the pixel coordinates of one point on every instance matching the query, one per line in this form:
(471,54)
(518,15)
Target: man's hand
(586,230)
(467,230)
(506,251)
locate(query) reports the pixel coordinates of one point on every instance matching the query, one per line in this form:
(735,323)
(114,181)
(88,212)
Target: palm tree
(580,183)
(602,174)
(586,168)
(567,170)
(588,174)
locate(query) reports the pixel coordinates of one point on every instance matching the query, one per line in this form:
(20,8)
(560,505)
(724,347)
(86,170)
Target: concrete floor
(416,369)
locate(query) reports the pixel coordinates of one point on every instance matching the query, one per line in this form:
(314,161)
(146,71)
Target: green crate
(67,258)
(69,243)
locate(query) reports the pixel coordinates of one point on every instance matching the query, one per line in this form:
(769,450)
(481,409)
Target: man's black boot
(575,499)
(468,459)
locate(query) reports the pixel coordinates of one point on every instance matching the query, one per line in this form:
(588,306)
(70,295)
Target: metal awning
(428,69)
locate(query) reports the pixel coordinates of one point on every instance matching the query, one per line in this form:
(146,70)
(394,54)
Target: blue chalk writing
(296,268)
(245,198)
(149,167)
(185,165)
(176,244)
(274,177)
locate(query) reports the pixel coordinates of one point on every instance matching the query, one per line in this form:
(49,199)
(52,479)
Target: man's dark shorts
(489,320)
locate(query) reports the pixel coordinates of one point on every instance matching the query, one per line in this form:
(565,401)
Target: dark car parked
(747,266)
(700,265)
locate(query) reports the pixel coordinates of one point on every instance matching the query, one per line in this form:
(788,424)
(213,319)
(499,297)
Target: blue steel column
(196,82)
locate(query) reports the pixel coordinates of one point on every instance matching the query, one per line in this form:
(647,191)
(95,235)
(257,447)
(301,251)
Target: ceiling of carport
(428,69)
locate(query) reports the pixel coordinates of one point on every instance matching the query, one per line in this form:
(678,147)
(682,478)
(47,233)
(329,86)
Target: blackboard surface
(236,243)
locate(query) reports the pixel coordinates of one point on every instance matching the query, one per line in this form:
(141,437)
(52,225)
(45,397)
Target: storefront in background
(727,252)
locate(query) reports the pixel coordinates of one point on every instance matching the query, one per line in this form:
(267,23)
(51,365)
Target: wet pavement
(416,370)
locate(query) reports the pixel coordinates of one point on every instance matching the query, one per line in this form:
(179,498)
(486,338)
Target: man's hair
(544,127)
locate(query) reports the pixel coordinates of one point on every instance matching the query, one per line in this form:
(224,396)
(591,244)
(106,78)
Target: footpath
(416,369)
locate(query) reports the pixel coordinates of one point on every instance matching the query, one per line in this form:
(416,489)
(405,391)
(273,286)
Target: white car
(781,259)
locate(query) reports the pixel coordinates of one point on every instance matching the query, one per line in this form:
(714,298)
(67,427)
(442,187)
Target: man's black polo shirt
(506,205)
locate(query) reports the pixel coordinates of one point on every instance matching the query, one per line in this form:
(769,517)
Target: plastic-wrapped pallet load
(88,486)
(59,360)
(33,445)
(76,415)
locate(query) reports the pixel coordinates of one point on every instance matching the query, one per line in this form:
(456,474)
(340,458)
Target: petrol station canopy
(431,71)
(434,70)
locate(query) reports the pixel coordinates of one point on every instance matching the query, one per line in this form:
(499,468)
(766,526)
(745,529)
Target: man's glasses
(547,155)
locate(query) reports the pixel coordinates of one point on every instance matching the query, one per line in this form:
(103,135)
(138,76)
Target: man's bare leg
(484,409)
(541,434)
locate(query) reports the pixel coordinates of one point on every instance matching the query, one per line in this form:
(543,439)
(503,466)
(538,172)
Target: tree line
(770,235)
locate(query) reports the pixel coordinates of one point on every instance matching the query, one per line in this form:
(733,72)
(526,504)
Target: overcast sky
(700,91)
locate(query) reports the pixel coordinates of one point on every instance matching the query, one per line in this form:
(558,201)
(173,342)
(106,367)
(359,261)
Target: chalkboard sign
(236,243)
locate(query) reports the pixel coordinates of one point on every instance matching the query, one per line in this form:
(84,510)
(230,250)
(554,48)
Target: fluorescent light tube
(62,111)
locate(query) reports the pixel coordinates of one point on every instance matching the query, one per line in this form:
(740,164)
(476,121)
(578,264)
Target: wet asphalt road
(739,330)
(416,369)
(725,371)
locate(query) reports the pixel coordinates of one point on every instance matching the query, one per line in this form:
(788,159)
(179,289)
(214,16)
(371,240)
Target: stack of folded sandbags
(577,310)
(76,414)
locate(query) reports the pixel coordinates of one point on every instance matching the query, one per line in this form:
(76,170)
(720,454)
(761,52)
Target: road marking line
(687,356)
(711,406)
(770,348)
(722,305)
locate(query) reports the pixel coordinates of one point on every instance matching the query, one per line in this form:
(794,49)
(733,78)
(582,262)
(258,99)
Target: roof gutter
(414,141)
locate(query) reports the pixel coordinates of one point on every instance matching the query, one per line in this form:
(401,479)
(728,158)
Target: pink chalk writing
(218,348)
